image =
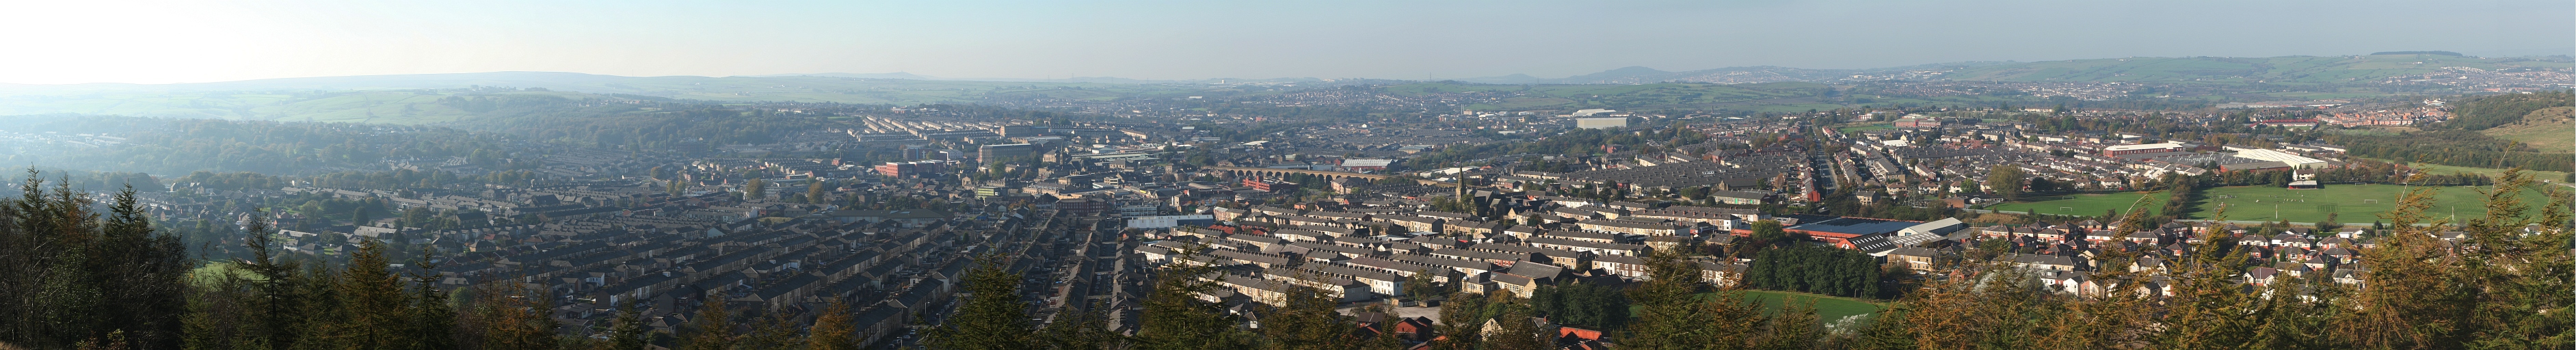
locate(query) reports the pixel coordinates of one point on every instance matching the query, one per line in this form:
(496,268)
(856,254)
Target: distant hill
(412,99)
(1643,75)
(1780,96)
(895,75)
(2288,69)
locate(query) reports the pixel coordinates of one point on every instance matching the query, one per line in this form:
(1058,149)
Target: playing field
(2356,203)
(2087,204)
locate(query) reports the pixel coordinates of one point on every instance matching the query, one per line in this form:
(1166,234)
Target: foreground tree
(1175,319)
(990,317)
(68,275)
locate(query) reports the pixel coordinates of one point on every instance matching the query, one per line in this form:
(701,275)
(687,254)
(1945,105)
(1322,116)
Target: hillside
(2549,130)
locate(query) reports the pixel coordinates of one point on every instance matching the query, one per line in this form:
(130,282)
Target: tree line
(1828,271)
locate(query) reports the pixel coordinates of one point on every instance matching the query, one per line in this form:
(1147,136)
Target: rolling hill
(2287,69)
(2548,130)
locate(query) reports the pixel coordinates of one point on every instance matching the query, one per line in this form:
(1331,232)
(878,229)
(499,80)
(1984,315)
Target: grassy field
(2549,130)
(2352,203)
(2356,203)
(2085,204)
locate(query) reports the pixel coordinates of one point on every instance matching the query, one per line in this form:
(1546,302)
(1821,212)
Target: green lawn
(2356,203)
(2087,204)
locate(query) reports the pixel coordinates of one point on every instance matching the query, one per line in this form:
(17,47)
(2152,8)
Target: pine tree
(511,316)
(1795,327)
(2415,299)
(1175,319)
(1078,329)
(1307,321)
(1672,314)
(629,334)
(275,291)
(374,301)
(774,331)
(991,317)
(712,329)
(432,323)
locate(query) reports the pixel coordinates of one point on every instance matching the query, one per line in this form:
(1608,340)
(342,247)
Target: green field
(2353,203)
(2086,204)
(2356,203)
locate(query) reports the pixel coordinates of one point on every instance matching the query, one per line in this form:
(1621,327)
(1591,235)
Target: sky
(152,42)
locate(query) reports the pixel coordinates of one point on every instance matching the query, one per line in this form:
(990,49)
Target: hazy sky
(55,42)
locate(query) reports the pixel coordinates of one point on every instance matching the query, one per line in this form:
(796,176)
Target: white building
(2294,160)
(1601,123)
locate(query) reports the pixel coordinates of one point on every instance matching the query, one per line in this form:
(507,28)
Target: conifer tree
(2415,298)
(1795,327)
(1306,321)
(629,334)
(512,316)
(991,317)
(1175,319)
(1078,329)
(1672,314)
(712,329)
(774,331)
(374,301)
(432,322)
